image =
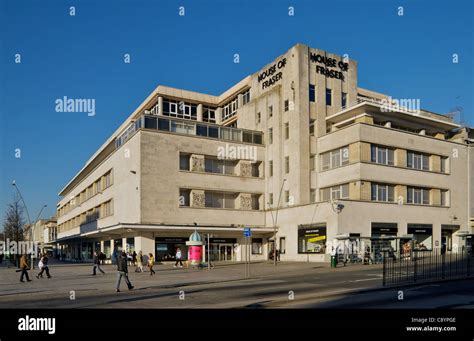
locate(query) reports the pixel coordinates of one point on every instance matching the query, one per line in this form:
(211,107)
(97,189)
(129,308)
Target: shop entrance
(226,252)
(222,249)
(447,236)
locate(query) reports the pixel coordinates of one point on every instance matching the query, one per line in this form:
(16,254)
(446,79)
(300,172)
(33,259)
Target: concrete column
(244,168)
(145,243)
(160,105)
(364,152)
(440,136)
(365,119)
(435,197)
(102,246)
(243,201)
(435,163)
(354,190)
(199,112)
(365,190)
(219,115)
(354,152)
(197,163)
(401,194)
(124,244)
(240,101)
(400,157)
(197,198)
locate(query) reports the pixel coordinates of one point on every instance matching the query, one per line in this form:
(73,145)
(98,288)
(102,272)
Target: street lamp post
(29,219)
(275,222)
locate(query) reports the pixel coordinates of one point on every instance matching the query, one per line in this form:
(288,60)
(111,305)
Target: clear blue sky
(406,56)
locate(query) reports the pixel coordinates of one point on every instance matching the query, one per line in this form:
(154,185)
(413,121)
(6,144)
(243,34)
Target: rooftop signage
(272,75)
(328,64)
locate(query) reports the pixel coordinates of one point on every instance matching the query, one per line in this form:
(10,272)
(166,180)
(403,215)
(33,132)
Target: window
(444,198)
(287,105)
(312,238)
(270,111)
(312,162)
(287,197)
(182,128)
(381,155)
(257,118)
(287,164)
(382,192)
(256,169)
(230,109)
(328,97)
(257,246)
(312,93)
(255,202)
(444,165)
(343,99)
(312,195)
(209,115)
(270,168)
(220,200)
(163,124)
(416,195)
(311,127)
(282,245)
(287,130)
(418,161)
(335,158)
(335,192)
(212,165)
(246,97)
(270,135)
(184,162)
(150,122)
(270,199)
(184,196)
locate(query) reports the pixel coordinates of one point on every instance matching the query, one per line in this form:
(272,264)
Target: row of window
(312,96)
(286,132)
(202,129)
(215,199)
(101,211)
(97,186)
(215,165)
(384,193)
(230,109)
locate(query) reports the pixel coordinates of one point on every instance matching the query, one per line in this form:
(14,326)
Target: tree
(14,223)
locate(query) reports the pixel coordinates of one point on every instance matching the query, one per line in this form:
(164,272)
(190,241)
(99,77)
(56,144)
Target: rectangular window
(418,161)
(270,135)
(184,162)
(270,111)
(287,130)
(328,97)
(312,93)
(287,105)
(257,118)
(184,195)
(246,97)
(287,164)
(335,192)
(209,115)
(326,161)
(312,238)
(381,155)
(312,162)
(287,197)
(382,192)
(150,122)
(164,124)
(220,200)
(257,246)
(343,99)
(270,199)
(312,195)
(282,245)
(444,198)
(444,165)
(311,127)
(416,195)
(255,202)
(270,168)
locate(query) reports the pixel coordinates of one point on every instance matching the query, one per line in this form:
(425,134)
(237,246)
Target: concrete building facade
(297,152)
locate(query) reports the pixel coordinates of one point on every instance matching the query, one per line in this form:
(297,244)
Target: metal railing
(427,266)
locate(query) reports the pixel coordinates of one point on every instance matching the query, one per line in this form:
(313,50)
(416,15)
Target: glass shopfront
(383,237)
(422,235)
(165,248)
(312,238)
(222,249)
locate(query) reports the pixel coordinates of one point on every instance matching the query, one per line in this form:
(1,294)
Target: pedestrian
(96,264)
(122,271)
(178,258)
(43,266)
(24,266)
(151,262)
(139,267)
(114,257)
(134,258)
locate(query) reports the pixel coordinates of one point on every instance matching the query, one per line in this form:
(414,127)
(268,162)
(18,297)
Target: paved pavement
(289,285)
(223,287)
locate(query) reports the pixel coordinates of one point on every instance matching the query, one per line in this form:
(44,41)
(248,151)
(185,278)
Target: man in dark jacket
(97,264)
(122,270)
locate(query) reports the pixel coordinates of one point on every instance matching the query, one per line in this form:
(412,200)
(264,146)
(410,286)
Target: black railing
(427,266)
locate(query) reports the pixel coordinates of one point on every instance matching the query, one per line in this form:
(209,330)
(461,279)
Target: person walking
(114,256)
(122,271)
(97,264)
(151,262)
(178,258)
(139,267)
(24,266)
(134,258)
(43,265)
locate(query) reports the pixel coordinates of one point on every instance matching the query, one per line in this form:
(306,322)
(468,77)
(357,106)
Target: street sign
(247,232)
